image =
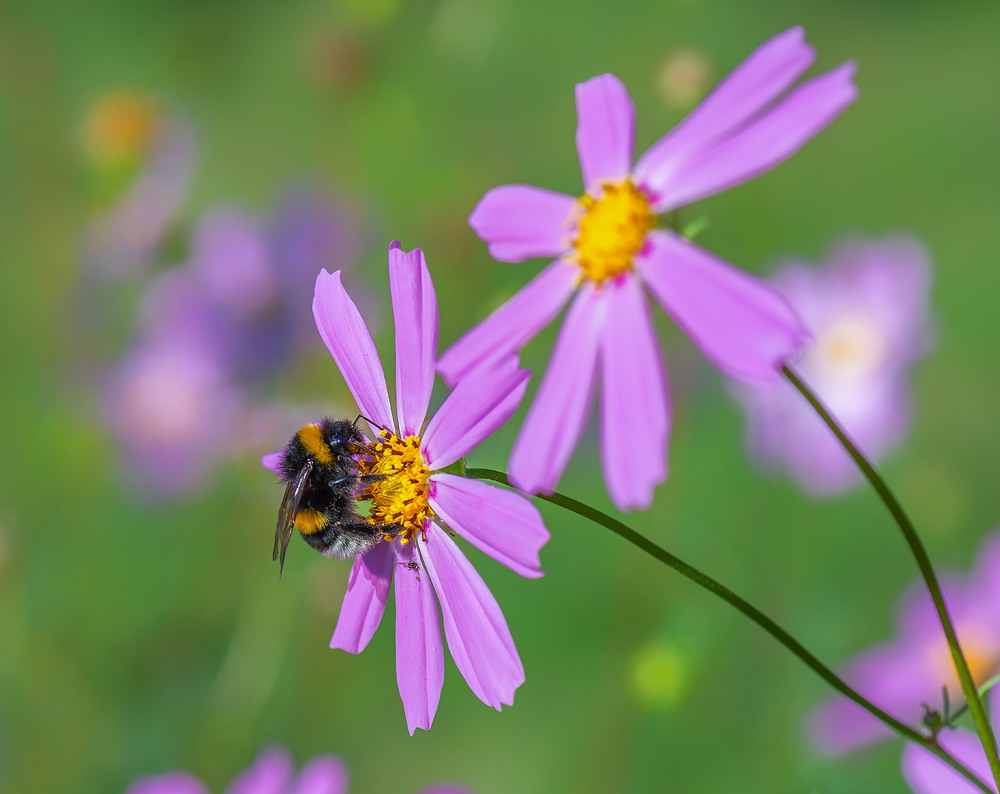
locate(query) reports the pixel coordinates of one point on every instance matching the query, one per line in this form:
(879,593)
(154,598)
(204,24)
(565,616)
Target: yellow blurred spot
(683,78)
(658,675)
(119,128)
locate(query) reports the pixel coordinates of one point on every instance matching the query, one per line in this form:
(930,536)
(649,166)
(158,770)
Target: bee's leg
(390,530)
(362,478)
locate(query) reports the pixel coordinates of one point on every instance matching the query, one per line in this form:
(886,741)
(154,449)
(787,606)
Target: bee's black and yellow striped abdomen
(308,521)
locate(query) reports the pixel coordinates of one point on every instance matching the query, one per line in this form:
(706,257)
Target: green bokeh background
(137,637)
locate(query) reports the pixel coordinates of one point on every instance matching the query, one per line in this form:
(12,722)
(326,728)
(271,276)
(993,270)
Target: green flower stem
(975,705)
(758,617)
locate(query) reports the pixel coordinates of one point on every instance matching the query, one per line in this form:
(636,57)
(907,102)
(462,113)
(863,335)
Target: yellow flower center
(612,229)
(849,348)
(401,497)
(980,651)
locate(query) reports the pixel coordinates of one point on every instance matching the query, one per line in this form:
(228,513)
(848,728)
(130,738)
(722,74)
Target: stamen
(613,228)
(400,497)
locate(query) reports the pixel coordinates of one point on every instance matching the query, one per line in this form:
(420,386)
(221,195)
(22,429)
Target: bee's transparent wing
(287,512)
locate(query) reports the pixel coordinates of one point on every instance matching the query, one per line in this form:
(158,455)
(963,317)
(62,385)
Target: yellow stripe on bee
(311,438)
(309,521)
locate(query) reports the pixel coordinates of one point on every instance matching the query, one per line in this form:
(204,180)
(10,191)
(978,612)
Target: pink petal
(498,522)
(928,774)
(364,602)
(479,405)
(895,678)
(513,325)
(477,633)
(326,774)
(269,774)
(763,144)
(414,307)
(763,76)
(605,130)
(559,413)
(635,415)
(419,650)
(520,222)
(347,338)
(742,324)
(272,461)
(168,783)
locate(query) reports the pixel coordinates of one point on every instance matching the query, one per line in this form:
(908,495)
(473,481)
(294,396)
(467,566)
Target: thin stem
(758,617)
(975,705)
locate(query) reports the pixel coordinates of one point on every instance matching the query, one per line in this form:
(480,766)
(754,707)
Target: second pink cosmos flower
(607,249)
(422,563)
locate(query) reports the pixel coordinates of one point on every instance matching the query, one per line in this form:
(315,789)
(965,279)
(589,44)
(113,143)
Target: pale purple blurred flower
(608,250)
(911,670)
(867,309)
(928,774)
(271,773)
(126,235)
(257,276)
(215,334)
(424,563)
(172,409)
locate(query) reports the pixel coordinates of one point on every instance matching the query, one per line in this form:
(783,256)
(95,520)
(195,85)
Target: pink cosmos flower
(423,562)
(867,309)
(607,249)
(928,774)
(911,670)
(272,773)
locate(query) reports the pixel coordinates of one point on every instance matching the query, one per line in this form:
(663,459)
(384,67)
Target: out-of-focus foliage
(140,636)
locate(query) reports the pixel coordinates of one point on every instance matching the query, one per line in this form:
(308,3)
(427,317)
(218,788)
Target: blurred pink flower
(423,561)
(172,410)
(928,774)
(867,309)
(901,675)
(608,249)
(272,773)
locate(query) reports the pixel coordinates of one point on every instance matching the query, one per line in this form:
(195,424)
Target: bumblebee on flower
(402,475)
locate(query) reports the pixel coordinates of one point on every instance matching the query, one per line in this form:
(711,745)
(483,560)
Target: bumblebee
(319,467)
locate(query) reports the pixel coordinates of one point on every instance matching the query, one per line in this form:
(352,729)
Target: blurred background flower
(902,676)
(867,308)
(215,336)
(927,774)
(273,772)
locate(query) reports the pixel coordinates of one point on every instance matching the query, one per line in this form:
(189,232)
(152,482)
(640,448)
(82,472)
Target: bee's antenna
(372,422)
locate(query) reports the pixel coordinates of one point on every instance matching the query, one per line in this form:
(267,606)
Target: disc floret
(612,229)
(401,497)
